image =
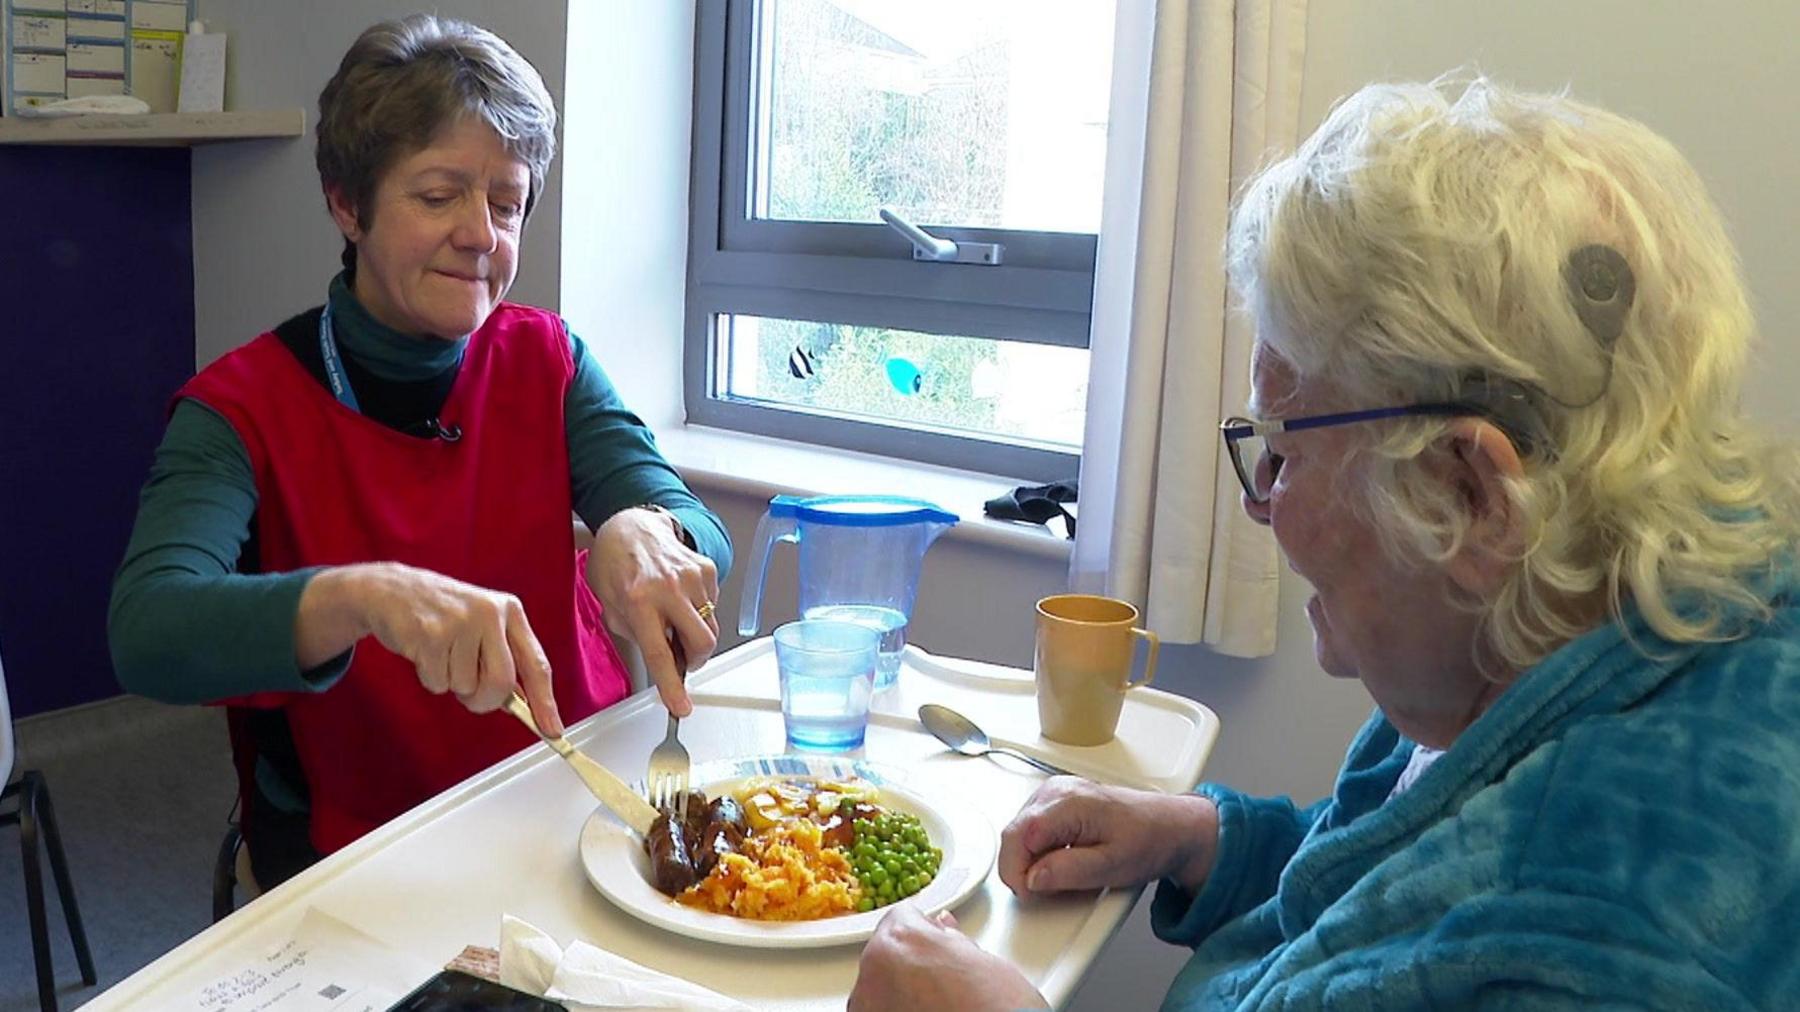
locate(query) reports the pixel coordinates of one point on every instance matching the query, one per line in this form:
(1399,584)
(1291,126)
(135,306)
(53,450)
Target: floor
(142,792)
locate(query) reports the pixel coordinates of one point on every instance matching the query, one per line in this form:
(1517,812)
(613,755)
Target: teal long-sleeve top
(186,625)
(1620,830)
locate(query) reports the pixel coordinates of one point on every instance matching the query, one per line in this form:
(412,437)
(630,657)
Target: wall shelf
(154,130)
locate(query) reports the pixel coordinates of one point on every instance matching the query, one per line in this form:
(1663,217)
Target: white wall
(627,127)
(1718,80)
(264,247)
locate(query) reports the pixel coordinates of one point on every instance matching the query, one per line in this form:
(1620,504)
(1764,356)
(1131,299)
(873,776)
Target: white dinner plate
(615,861)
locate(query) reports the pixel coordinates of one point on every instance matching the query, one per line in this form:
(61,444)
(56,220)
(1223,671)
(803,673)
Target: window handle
(929,247)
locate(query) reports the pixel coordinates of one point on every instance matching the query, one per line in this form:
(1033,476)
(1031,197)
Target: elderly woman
(358,531)
(1500,340)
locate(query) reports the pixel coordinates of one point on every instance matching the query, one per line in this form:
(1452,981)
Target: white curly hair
(1416,242)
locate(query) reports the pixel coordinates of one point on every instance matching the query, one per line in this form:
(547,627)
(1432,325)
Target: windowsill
(743,463)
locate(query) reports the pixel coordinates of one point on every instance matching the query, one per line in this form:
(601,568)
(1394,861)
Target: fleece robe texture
(1620,830)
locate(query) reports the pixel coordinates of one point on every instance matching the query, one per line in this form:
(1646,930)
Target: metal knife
(613,792)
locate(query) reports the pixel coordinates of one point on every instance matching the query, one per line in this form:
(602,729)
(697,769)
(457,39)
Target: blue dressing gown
(1615,831)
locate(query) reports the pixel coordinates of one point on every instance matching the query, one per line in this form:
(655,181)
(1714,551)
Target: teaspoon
(961,734)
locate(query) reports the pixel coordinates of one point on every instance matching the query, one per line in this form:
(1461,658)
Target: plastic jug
(859,562)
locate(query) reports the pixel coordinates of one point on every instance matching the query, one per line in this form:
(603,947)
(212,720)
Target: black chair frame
(224,883)
(34,812)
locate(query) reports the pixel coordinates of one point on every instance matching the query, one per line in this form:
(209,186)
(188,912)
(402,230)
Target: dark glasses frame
(1236,429)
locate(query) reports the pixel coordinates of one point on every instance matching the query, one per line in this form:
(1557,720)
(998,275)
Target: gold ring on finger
(705,610)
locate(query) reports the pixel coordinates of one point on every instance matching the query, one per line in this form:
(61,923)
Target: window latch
(929,247)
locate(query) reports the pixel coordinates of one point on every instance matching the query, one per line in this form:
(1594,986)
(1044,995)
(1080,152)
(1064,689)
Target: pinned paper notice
(154,61)
(96,28)
(96,58)
(158,16)
(89,87)
(37,33)
(39,72)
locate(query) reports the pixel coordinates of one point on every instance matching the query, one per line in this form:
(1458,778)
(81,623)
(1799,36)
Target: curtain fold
(1161,525)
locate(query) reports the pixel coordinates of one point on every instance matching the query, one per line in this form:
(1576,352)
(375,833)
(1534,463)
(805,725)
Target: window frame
(851,273)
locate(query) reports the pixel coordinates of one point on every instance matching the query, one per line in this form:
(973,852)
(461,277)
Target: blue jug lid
(860,510)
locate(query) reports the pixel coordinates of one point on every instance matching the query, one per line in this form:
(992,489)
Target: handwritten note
(327,966)
(202,73)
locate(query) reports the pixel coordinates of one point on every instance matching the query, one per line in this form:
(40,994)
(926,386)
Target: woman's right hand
(460,638)
(1074,834)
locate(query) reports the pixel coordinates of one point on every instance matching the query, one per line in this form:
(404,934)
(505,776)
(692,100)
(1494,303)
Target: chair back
(8,750)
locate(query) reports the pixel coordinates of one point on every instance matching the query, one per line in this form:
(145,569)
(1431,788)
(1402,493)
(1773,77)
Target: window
(982,122)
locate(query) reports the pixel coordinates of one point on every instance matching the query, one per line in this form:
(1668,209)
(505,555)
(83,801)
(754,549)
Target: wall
(624,227)
(264,247)
(1717,82)
(94,337)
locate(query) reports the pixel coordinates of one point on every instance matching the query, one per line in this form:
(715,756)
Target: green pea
(865,905)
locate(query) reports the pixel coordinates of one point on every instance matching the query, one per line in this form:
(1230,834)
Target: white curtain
(1160,520)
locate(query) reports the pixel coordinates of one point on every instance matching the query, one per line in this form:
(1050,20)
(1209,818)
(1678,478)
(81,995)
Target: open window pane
(970,113)
(1011,391)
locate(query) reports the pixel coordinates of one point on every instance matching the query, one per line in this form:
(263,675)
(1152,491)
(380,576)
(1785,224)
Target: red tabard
(491,509)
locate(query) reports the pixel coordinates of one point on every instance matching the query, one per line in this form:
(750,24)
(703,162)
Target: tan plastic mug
(1083,664)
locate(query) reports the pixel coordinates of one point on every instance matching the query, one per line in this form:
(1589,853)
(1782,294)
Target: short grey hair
(402,82)
(1415,245)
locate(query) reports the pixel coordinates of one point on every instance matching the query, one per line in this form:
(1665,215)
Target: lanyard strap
(334,366)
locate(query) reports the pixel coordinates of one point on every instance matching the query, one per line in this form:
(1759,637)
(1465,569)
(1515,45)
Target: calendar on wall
(58,49)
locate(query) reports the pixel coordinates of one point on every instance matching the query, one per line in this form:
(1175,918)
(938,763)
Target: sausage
(725,809)
(720,838)
(671,864)
(697,814)
(838,832)
(724,833)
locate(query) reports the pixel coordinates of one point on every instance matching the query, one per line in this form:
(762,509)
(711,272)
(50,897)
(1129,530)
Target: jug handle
(770,529)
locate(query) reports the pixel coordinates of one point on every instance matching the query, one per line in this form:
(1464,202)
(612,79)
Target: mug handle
(1149,660)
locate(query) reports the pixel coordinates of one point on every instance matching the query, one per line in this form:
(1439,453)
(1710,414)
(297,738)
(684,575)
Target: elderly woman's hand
(1075,834)
(658,593)
(461,638)
(919,962)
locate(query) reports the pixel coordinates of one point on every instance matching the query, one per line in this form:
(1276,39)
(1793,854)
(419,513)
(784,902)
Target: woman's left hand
(919,962)
(658,593)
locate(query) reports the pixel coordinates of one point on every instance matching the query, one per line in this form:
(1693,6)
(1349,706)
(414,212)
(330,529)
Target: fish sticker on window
(905,376)
(801,363)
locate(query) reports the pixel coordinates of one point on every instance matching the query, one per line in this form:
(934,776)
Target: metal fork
(666,780)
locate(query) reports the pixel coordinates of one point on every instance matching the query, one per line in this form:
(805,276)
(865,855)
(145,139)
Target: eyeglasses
(1245,440)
